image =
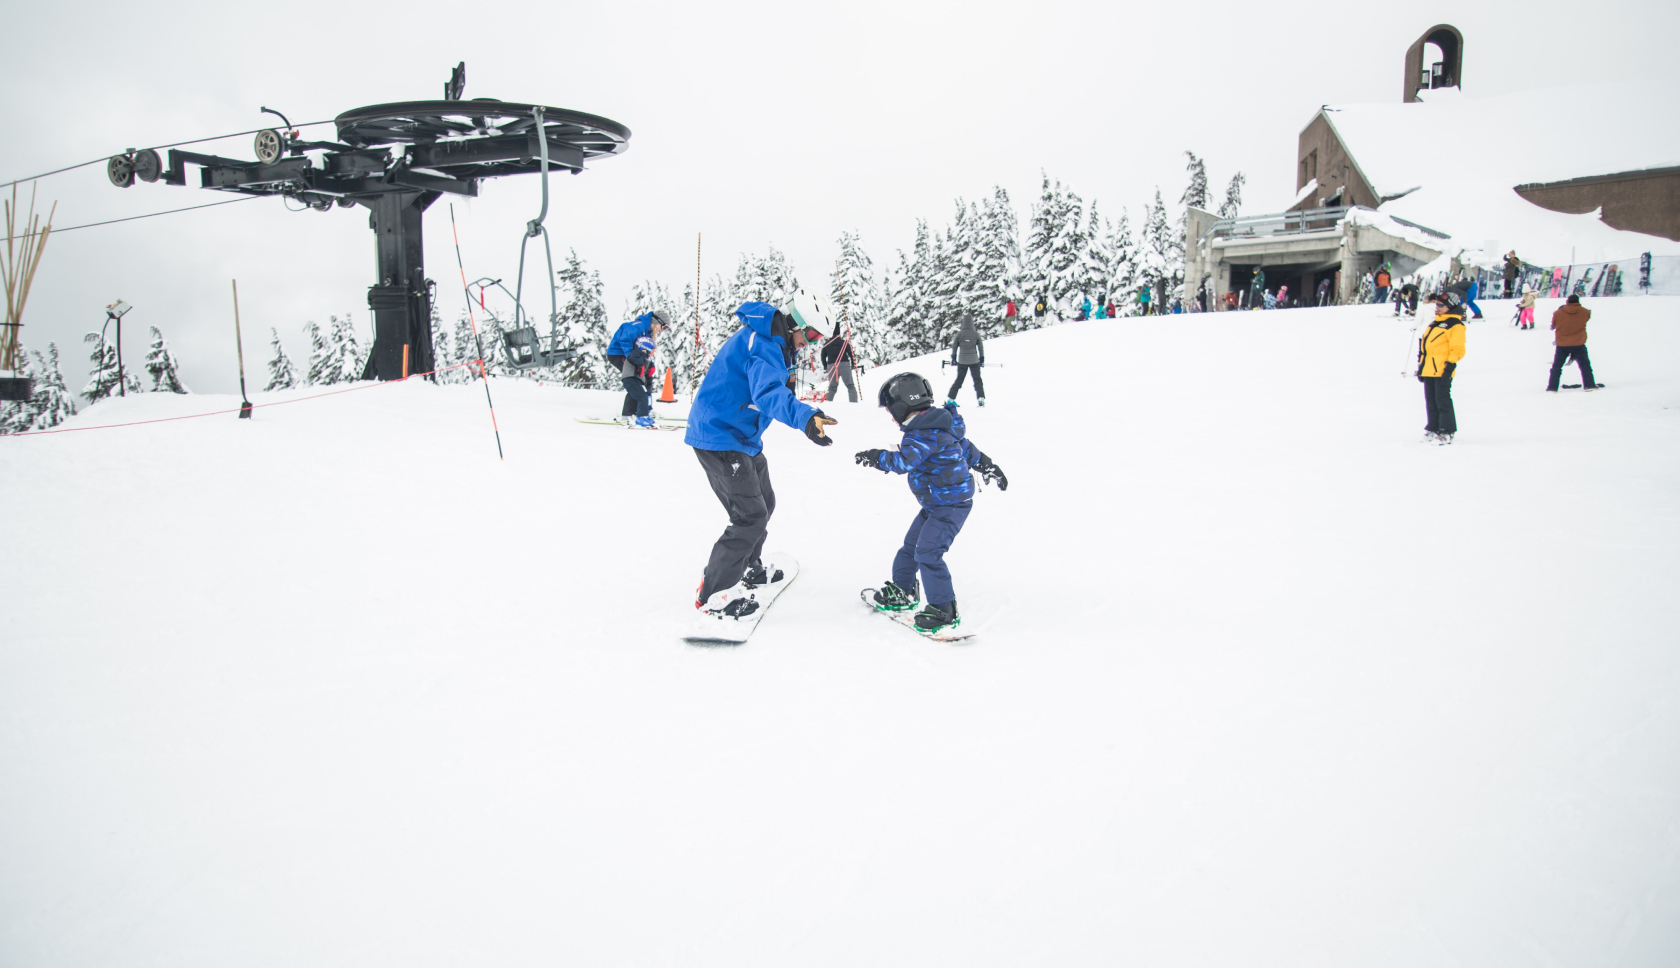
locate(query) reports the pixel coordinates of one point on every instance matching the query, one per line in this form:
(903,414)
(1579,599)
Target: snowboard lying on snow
(723,630)
(907,618)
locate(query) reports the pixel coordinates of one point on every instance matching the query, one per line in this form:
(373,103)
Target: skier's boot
(951,402)
(646,423)
(938,618)
(894,598)
(759,575)
(1443,439)
(1430,437)
(982,401)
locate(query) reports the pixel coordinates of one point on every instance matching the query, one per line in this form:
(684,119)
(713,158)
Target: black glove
(869,458)
(1448,369)
(814,428)
(992,474)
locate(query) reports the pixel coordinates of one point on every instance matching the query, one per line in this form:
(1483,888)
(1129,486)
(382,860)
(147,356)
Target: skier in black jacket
(838,360)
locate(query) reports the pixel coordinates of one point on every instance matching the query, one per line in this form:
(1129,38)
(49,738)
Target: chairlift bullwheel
(431,122)
(120,169)
(269,146)
(148,167)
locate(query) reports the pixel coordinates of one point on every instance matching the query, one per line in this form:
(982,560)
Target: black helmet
(905,394)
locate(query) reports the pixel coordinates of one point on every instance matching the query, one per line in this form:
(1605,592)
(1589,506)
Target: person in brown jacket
(1570,323)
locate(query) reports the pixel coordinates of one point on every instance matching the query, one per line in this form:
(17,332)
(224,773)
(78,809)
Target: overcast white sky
(757,123)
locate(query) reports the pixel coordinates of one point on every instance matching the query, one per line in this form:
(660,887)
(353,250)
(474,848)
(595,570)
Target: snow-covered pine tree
(444,354)
(1037,262)
(1163,256)
(854,293)
(103,381)
(997,262)
(1196,189)
(1233,197)
(53,403)
(1091,272)
(910,307)
(17,416)
(162,366)
(1121,277)
(951,272)
(466,350)
(319,371)
(282,375)
(583,327)
(345,350)
(768,278)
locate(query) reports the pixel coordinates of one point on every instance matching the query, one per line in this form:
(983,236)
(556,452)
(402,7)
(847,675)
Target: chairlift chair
(524,350)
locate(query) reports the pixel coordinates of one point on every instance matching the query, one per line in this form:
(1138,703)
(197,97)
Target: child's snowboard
(907,618)
(715,630)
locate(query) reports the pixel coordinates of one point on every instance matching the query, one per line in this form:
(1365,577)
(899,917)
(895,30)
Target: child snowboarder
(937,456)
(1439,351)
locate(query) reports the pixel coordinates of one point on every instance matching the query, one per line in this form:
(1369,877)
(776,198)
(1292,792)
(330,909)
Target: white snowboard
(907,618)
(713,630)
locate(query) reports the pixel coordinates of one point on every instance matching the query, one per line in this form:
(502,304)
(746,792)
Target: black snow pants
(1561,355)
(1437,402)
(962,371)
(742,483)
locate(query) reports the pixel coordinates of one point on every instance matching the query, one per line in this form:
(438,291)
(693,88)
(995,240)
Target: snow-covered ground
(1260,679)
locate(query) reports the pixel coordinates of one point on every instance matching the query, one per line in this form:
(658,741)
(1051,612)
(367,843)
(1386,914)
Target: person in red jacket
(1009,316)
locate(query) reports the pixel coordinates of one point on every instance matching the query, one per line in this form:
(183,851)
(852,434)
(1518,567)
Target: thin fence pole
(694,367)
(478,340)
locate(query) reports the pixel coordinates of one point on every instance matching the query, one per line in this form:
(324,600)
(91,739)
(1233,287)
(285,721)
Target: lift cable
(101,161)
(172,211)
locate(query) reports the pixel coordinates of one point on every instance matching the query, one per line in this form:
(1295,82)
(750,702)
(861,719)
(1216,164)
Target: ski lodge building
(1378,183)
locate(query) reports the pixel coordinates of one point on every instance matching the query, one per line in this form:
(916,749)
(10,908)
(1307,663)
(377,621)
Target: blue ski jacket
(624,338)
(746,388)
(936,454)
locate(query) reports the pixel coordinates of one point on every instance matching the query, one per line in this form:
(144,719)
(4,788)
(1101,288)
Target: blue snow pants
(639,392)
(925,544)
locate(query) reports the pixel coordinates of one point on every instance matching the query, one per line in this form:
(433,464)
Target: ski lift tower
(396,160)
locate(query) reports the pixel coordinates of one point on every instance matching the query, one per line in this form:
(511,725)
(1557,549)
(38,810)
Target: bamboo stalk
(22,258)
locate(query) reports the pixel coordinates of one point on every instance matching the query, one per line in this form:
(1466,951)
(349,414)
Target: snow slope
(1259,679)
(1467,154)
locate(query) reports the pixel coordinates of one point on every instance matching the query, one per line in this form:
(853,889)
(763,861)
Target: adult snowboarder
(1256,288)
(623,340)
(1570,323)
(1439,351)
(968,354)
(1474,286)
(937,456)
(747,386)
(1009,316)
(838,360)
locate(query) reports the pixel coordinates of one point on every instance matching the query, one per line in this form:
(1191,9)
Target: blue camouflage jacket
(936,455)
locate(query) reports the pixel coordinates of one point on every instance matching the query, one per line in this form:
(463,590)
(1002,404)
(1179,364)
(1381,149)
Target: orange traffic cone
(669,395)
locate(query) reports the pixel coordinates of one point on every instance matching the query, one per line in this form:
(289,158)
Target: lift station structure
(396,160)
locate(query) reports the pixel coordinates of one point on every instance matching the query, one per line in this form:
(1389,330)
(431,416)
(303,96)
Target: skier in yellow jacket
(1439,351)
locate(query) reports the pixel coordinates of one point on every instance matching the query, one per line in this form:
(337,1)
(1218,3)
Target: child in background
(937,457)
(637,374)
(1525,309)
